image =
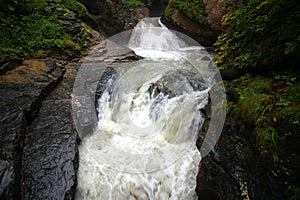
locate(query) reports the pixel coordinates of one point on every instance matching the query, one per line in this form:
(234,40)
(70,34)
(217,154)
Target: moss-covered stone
(190,18)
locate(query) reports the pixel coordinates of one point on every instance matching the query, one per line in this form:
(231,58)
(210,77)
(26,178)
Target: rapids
(149,119)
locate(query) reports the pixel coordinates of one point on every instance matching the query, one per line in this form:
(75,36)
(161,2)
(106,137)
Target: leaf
(11,7)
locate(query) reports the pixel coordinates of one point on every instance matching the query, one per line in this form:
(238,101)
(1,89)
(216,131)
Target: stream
(147,117)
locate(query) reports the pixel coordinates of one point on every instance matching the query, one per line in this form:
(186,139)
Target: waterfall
(144,146)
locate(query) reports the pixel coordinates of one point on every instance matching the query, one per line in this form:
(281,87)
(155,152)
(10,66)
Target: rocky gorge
(39,143)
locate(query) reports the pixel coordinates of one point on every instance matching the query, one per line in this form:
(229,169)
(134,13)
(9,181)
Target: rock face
(105,83)
(223,174)
(206,32)
(202,33)
(175,84)
(12,128)
(136,15)
(215,10)
(108,15)
(50,153)
(38,150)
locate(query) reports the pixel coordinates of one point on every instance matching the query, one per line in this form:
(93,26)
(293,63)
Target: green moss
(194,9)
(168,12)
(266,102)
(261,33)
(129,4)
(77,7)
(40,33)
(87,30)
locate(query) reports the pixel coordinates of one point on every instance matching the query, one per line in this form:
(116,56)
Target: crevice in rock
(50,154)
(23,91)
(30,114)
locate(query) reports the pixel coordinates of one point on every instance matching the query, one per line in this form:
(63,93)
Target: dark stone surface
(202,33)
(157,8)
(50,160)
(7,64)
(50,154)
(22,92)
(223,173)
(175,84)
(138,13)
(105,83)
(11,133)
(108,15)
(27,85)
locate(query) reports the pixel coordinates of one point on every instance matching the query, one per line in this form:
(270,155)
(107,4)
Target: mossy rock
(189,18)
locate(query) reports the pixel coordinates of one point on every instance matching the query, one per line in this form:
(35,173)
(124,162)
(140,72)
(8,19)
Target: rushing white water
(145,144)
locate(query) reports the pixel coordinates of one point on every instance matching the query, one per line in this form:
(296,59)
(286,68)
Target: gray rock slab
(50,154)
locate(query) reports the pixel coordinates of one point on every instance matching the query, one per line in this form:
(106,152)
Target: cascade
(149,119)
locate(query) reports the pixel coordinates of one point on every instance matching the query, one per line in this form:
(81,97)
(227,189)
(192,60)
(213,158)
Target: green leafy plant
(289,79)
(261,33)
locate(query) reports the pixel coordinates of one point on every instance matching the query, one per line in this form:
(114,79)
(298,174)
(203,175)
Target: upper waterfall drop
(150,38)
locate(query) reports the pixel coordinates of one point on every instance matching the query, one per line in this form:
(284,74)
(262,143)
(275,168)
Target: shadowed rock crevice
(22,91)
(50,153)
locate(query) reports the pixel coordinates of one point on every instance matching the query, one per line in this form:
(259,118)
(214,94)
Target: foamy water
(144,146)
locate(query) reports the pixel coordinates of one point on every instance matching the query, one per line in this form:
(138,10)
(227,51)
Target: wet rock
(84,115)
(223,172)
(108,15)
(65,87)
(50,157)
(50,154)
(126,57)
(136,15)
(112,51)
(105,83)
(202,33)
(27,85)
(156,8)
(175,84)
(22,91)
(11,133)
(83,97)
(7,64)
(215,10)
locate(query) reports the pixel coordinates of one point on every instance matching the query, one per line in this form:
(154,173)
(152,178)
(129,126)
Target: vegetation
(262,37)
(36,28)
(128,4)
(266,102)
(261,33)
(194,9)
